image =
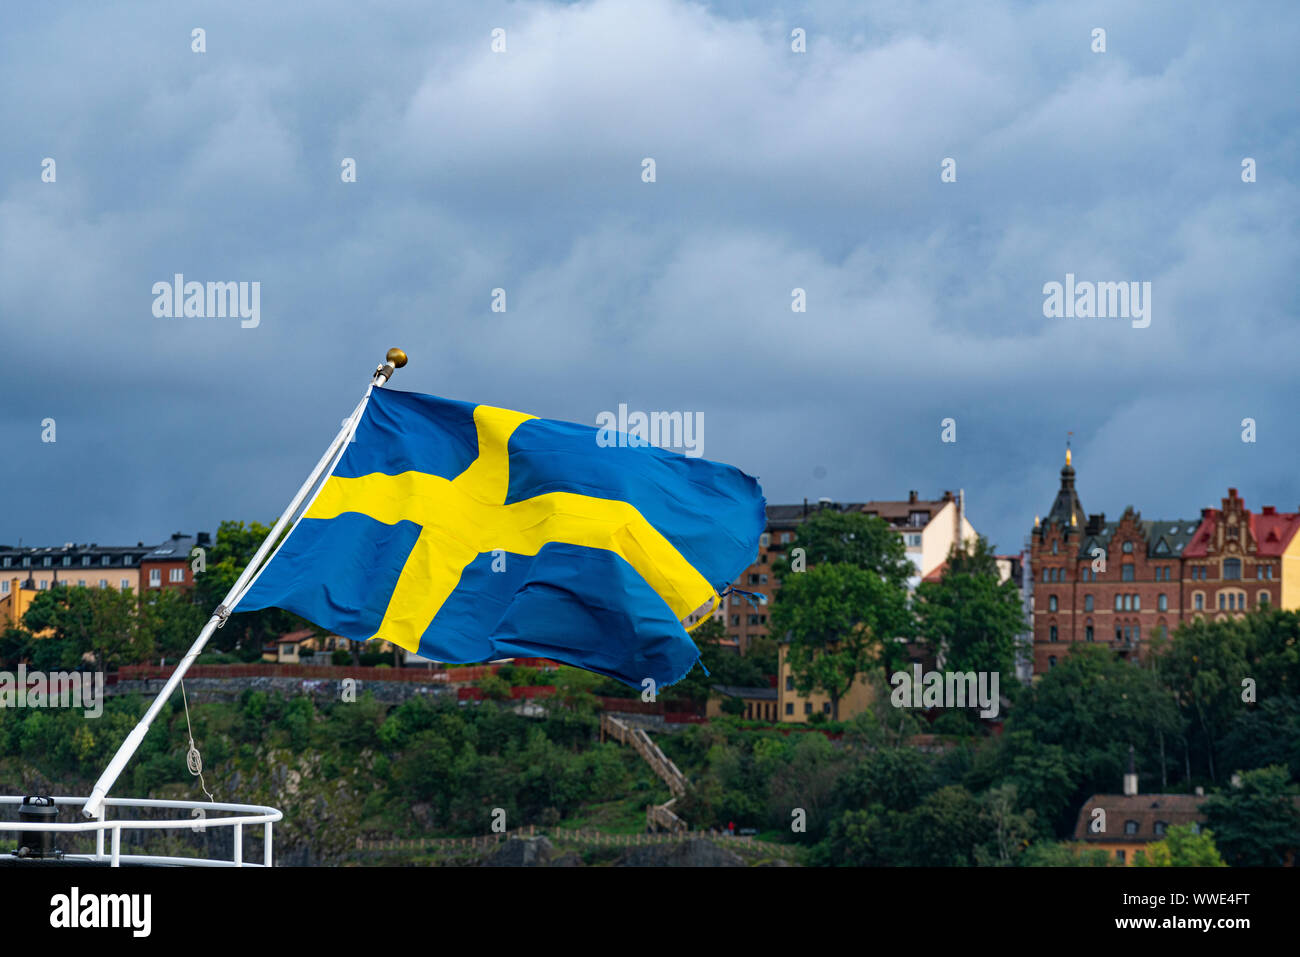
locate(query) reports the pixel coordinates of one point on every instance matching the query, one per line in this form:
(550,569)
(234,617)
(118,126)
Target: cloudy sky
(774,170)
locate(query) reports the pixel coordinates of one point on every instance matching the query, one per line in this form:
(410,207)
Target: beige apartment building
(90,566)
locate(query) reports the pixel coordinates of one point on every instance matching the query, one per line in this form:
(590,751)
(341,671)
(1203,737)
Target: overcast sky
(775,170)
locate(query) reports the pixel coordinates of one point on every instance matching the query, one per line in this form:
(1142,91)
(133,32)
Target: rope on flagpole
(193,759)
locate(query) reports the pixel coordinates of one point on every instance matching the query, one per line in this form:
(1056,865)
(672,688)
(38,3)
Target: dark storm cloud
(775,170)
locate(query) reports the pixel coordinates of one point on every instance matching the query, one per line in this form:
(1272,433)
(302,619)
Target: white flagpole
(93,807)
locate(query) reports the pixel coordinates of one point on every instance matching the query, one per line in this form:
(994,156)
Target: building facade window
(1087,633)
(1087,603)
(1127,571)
(1052,633)
(1130,827)
(155,577)
(1051,603)
(1162,602)
(1231,569)
(1198,601)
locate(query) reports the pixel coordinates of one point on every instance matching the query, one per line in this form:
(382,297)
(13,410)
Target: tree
(171,620)
(1012,828)
(1093,705)
(1204,667)
(98,622)
(1182,846)
(15,646)
(1257,823)
(841,621)
(968,616)
(718,665)
(849,538)
(229,555)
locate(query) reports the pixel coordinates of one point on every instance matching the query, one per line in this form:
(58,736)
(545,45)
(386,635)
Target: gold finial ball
(396,358)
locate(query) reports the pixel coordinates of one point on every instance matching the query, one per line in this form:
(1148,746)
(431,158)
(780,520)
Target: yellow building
(760,703)
(794,708)
(14,602)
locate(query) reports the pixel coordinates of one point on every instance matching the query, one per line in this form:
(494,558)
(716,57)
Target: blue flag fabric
(470,533)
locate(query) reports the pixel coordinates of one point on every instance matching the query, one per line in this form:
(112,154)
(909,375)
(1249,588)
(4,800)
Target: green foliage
(1182,846)
(1258,822)
(1090,707)
(841,620)
(15,646)
(170,620)
(723,664)
(1065,854)
(97,622)
(233,549)
(866,542)
(968,616)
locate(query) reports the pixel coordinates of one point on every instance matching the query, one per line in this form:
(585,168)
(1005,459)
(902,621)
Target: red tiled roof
(1145,809)
(937,574)
(1272,533)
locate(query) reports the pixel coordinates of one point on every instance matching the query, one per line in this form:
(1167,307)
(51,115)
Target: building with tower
(1124,582)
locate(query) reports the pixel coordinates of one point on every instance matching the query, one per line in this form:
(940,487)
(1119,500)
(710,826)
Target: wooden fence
(565,835)
(333,672)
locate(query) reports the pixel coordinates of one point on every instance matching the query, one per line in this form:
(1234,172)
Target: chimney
(911,497)
(202,538)
(1270,510)
(1131,778)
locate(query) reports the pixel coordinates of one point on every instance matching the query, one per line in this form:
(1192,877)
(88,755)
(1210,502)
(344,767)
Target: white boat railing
(239,816)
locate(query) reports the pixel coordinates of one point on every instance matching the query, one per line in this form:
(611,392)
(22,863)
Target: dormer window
(1130,827)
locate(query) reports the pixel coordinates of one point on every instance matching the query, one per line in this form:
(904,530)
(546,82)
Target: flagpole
(93,807)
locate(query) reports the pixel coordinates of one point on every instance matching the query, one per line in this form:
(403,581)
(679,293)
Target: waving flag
(469,533)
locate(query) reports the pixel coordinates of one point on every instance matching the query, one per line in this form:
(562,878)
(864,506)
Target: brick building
(169,565)
(1124,582)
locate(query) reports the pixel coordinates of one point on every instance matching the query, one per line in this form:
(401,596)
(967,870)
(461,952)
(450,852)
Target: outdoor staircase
(657,816)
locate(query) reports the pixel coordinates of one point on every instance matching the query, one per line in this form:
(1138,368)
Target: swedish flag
(469,533)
